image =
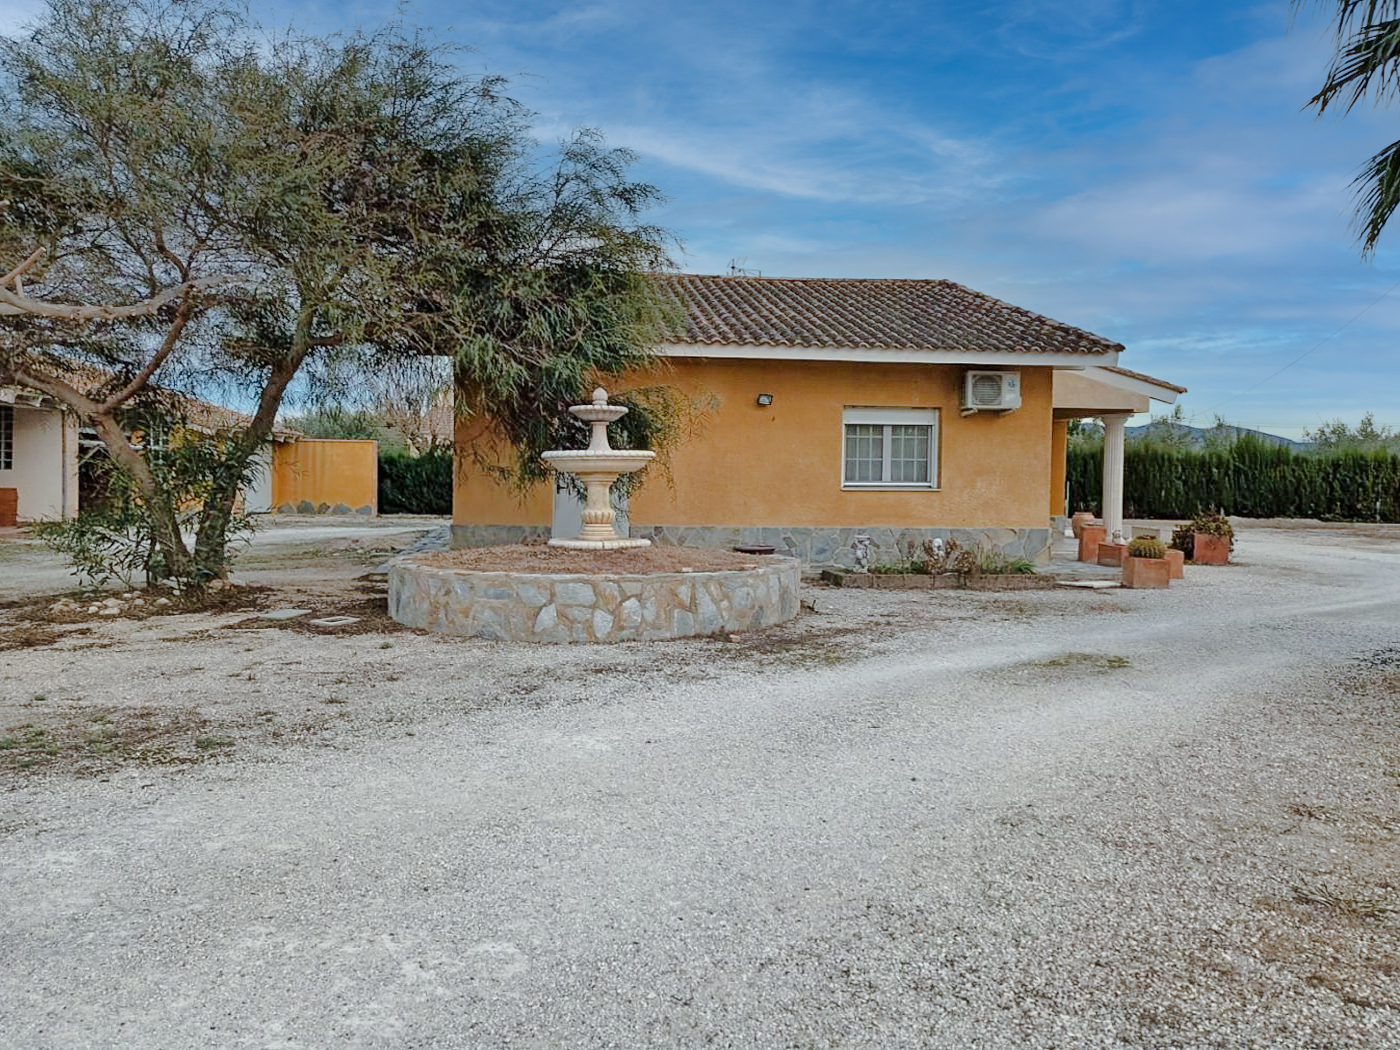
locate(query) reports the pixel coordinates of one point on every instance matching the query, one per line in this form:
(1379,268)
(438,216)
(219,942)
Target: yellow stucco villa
(898,409)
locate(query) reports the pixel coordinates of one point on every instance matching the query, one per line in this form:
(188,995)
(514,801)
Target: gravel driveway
(1065,819)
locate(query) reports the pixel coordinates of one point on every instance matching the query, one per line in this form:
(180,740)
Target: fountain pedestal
(598,466)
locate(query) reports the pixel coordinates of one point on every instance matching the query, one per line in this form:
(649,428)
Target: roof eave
(880,355)
(1158,390)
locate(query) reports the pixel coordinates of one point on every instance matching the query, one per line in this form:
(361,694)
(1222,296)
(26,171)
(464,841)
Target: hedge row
(1247,478)
(416,484)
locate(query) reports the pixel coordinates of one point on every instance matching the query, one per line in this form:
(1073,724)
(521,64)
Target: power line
(1305,353)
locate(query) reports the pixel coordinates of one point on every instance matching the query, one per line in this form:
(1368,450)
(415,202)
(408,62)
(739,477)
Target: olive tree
(187,203)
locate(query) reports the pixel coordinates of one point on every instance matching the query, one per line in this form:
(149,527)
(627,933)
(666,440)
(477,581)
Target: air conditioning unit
(991,392)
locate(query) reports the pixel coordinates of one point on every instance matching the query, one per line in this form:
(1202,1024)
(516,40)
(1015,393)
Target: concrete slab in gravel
(284,614)
(1045,819)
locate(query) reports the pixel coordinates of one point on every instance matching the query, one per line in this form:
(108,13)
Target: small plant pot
(1176,561)
(1090,536)
(1079,520)
(1112,554)
(1146,573)
(1209,549)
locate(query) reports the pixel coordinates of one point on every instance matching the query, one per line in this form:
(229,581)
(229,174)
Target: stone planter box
(1207,549)
(1090,536)
(1176,561)
(946,581)
(1146,573)
(539,607)
(1112,554)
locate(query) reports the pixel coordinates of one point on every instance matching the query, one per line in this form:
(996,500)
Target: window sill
(879,486)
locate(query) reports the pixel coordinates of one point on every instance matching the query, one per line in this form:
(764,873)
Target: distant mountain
(1199,437)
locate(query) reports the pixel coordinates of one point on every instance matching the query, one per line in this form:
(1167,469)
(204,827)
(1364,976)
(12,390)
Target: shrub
(416,484)
(1210,522)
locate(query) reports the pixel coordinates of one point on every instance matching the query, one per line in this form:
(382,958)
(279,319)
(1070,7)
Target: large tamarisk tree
(187,203)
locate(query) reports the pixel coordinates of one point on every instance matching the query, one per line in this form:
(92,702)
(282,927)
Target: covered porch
(1111,395)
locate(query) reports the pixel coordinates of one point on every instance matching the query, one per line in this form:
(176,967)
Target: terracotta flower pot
(1176,560)
(1079,519)
(1112,554)
(1090,536)
(1208,549)
(1146,573)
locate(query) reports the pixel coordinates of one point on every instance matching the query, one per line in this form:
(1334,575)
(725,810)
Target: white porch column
(1113,426)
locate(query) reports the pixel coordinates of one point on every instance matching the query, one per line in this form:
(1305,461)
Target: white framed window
(7,438)
(889,448)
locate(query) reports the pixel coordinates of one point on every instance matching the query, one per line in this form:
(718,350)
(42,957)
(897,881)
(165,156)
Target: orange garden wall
(780,467)
(323,476)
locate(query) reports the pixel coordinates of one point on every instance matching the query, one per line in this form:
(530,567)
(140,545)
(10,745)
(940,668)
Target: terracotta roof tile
(203,415)
(865,314)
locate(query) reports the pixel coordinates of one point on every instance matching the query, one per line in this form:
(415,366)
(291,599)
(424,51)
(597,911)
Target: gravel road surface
(1063,819)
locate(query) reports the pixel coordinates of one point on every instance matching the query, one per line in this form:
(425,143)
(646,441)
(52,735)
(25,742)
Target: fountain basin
(591,608)
(614,462)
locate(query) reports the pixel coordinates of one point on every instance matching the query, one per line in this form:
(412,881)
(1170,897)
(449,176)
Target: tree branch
(15,305)
(172,337)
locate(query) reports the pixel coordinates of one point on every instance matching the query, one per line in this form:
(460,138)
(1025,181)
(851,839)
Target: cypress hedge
(416,484)
(1247,478)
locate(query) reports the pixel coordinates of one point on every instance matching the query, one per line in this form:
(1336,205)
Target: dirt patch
(370,610)
(67,737)
(546,559)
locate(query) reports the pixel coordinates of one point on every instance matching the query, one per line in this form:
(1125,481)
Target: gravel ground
(1041,819)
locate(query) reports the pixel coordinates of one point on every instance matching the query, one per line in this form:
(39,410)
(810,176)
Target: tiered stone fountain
(602,606)
(598,466)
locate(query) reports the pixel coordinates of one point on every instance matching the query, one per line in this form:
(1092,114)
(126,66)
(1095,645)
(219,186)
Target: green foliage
(1366,64)
(119,538)
(1336,436)
(994,563)
(929,558)
(1246,478)
(1210,523)
(302,208)
(335,422)
(416,484)
(1147,547)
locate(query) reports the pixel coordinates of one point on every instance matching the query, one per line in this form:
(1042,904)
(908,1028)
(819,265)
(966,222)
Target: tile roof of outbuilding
(890,314)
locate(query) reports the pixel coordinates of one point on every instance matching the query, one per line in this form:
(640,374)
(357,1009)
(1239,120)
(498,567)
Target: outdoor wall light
(764,400)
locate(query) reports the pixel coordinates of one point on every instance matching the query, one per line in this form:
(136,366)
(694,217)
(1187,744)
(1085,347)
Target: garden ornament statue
(860,547)
(598,466)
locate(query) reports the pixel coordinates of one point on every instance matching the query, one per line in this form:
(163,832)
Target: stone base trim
(815,546)
(307,507)
(497,535)
(820,547)
(540,607)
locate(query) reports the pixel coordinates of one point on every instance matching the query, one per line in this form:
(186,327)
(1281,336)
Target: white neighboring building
(38,454)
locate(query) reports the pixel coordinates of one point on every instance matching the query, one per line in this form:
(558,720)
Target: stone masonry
(537,607)
(816,547)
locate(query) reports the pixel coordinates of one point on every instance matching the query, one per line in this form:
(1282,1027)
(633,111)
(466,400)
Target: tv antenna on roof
(736,268)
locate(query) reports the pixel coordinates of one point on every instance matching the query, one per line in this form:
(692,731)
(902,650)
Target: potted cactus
(1145,564)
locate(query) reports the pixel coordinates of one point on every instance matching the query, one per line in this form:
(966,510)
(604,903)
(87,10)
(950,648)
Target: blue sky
(1140,168)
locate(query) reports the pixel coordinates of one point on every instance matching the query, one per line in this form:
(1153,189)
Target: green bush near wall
(416,484)
(1247,478)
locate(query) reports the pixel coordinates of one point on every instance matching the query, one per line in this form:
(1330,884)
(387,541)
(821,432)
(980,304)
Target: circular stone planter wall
(537,607)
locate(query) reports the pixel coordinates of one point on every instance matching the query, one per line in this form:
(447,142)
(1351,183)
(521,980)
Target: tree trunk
(211,543)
